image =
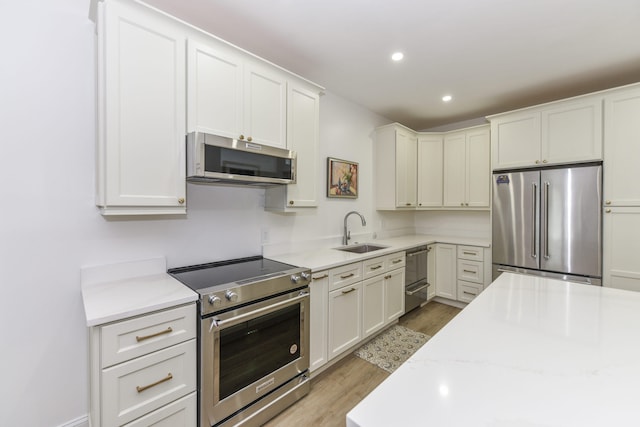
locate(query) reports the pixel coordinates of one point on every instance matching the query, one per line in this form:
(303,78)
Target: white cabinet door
(431,271)
(394,294)
(345,318)
(406,169)
(265,105)
(141,117)
(373,305)
(430,166)
(572,132)
(446,267)
(454,170)
(214,87)
(515,140)
(319,307)
(622,148)
(303,112)
(621,246)
(478,168)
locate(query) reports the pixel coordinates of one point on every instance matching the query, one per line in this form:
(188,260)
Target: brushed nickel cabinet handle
(148,386)
(376,267)
(146,337)
(320,277)
(469,293)
(396,261)
(469,271)
(470,253)
(347,276)
(348,291)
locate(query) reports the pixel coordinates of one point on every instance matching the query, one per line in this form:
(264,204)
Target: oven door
(251,351)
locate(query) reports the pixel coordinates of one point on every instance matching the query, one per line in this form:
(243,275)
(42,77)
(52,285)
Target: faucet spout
(346,233)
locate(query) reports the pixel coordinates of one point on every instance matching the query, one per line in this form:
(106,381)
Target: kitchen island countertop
(529,352)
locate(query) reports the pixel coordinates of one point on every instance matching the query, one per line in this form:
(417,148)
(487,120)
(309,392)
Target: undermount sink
(362,248)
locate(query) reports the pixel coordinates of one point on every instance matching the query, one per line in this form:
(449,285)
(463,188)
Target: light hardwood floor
(338,389)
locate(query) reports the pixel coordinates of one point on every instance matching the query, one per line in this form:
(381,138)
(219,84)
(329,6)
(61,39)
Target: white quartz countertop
(528,352)
(115,292)
(323,258)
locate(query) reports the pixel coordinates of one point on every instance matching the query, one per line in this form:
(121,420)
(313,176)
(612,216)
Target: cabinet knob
(608,202)
(291,202)
(241,137)
(544,161)
(466,204)
(181,200)
(407,204)
(607,210)
(249,139)
(461,203)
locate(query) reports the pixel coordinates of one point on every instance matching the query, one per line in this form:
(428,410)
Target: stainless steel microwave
(217,159)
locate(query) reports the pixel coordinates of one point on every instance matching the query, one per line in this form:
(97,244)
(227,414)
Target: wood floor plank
(338,389)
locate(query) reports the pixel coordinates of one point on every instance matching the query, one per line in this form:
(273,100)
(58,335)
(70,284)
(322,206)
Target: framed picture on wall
(342,178)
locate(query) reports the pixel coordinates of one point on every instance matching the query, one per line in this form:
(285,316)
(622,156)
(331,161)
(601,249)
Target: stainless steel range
(253,338)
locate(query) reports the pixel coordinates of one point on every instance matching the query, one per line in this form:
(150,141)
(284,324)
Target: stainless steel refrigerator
(548,222)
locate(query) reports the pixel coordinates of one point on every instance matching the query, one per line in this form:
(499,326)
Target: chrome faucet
(347,234)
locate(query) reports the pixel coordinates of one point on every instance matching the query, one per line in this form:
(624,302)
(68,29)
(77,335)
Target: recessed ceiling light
(397,56)
(447,98)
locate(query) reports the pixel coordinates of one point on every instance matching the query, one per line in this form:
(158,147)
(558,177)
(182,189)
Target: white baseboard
(78,422)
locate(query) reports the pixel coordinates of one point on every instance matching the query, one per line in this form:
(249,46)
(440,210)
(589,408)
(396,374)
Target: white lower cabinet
(319,289)
(621,246)
(143,370)
(345,318)
(431,271)
(357,308)
(446,282)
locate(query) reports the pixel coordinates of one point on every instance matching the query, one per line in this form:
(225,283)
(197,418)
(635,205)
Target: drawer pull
(348,291)
(469,293)
(347,276)
(376,267)
(396,261)
(388,276)
(146,337)
(320,277)
(469,271)
(144,387)
(470,253)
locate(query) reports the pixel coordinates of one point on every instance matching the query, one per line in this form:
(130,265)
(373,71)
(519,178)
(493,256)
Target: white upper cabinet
(303,117)
(467,171)
(622,148)
(141,111)
(233,95)
(396,167)
(563,132)
(215,81)
(430,163)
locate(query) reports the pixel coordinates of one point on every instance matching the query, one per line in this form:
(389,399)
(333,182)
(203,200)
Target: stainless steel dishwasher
(416,278)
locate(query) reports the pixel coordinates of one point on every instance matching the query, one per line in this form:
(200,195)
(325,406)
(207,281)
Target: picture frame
(342,178)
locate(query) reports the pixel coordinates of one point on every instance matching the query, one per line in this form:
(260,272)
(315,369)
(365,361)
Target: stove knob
(231,296)
(306,276)
(215,300)
(295,279)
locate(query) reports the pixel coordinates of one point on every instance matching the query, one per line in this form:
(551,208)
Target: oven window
(252,350)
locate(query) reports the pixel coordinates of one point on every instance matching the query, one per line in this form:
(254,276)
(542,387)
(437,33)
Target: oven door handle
(412,254)
(258,312)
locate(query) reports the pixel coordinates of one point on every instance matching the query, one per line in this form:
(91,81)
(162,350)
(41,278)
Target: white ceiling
(491,55)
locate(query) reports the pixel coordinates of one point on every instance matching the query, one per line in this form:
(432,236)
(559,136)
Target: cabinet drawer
(142,335)
(345,275)
(181,413)
(396,260)
(468,291)
(374,266)
(471,271)
(473,253)
(137,387)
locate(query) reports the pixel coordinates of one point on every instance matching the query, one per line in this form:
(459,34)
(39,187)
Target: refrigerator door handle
(546,220)
(534,233)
